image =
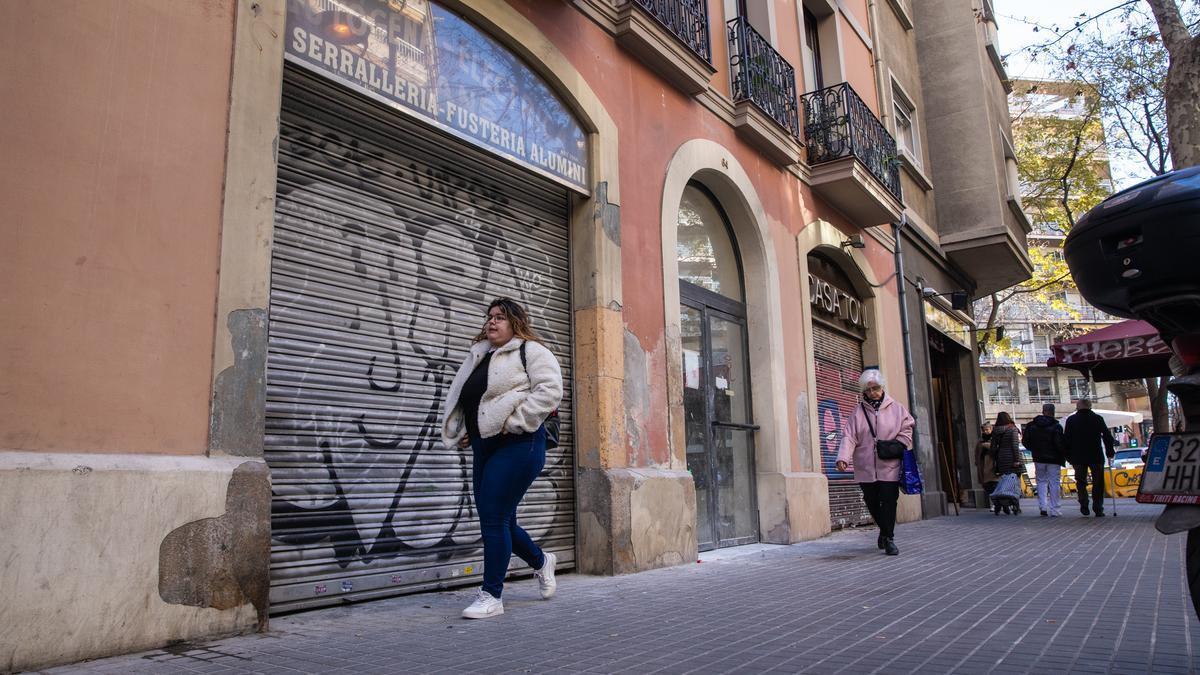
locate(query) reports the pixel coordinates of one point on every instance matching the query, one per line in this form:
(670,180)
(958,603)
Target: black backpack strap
(523,363)
(867,417)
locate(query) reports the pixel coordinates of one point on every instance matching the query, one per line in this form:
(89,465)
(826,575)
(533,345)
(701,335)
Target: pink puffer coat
(892,422)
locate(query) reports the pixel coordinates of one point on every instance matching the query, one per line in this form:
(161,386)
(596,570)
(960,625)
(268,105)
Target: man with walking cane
(1084,433)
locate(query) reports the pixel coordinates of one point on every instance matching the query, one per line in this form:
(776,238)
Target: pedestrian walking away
(1084,434)
(874,429)
(1044,438)
(497,406)
(1006,454)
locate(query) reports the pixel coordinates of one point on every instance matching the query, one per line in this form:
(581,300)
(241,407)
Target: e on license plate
(1172,473)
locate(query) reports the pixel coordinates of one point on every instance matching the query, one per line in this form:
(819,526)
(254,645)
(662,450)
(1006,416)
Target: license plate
(1172,473)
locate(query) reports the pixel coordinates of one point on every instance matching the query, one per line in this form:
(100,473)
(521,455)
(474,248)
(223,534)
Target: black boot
(879,541)
(889,546)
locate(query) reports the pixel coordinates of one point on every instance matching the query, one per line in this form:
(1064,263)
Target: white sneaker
(546,583)
(484,606)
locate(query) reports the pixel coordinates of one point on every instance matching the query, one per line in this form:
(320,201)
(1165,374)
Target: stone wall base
(792,506)
(909,509)
(631,520)
(110,554)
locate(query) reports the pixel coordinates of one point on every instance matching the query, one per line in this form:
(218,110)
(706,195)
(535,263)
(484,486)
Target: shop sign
(1106,350)
(835,303)
(952,327)
(425,60)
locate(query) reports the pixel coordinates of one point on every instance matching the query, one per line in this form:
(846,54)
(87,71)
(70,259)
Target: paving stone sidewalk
(975,593)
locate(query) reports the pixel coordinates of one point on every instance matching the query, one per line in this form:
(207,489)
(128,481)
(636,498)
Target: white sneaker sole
(468,614)
(548,590)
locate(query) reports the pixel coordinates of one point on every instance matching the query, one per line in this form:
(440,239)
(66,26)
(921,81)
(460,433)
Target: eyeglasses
(494,317)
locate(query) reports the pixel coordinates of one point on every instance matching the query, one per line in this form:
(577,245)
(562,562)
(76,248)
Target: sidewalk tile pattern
(975,593)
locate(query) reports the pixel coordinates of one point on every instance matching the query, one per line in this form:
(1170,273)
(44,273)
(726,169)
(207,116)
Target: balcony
(854,161)
(671,37)
(764,94)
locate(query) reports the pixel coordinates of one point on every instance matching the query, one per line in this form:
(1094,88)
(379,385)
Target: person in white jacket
(503,392)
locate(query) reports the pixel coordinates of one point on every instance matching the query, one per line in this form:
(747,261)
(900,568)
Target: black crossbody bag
(892,449)
(551,421)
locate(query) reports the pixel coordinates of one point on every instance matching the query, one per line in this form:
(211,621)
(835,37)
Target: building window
(906,128)
(999,390)
(1041,390)
(704,247)
(1041,348)
(1013,178)
(813,78)
(1079,388)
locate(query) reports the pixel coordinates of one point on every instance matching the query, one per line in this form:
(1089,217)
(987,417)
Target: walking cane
(1112,486)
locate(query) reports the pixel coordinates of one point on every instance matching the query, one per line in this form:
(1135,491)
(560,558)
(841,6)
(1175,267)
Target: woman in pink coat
(878,478)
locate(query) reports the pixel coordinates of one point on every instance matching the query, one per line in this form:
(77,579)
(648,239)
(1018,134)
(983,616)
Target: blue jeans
(505,467)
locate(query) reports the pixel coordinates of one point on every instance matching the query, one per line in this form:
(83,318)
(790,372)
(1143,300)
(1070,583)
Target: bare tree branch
(1065,180)
(1160,146)
(1078,26)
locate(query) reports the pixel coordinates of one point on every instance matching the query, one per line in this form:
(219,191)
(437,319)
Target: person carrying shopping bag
(876,434)
(497,405)
(1006,453)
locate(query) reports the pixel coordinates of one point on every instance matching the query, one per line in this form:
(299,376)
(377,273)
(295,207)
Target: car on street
(1128,458)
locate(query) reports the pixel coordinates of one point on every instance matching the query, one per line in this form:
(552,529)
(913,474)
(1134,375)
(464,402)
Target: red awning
(1122,351)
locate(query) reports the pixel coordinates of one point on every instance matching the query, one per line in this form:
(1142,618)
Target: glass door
(719,426)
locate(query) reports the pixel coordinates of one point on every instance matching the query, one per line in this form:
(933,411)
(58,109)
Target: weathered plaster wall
(858,63)
(139,551)
(114,143)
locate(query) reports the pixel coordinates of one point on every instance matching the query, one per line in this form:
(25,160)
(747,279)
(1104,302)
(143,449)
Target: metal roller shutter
(390,239)
(839,362)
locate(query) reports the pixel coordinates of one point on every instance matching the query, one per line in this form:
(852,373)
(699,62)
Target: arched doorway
(839,329)
(718,418)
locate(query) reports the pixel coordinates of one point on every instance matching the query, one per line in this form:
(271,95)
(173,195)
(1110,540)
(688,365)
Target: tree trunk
(1182,88)
(1156,387)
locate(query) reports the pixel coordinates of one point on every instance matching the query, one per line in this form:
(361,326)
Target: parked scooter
(1137,255)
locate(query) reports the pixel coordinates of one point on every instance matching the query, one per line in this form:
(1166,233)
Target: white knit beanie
(871,375)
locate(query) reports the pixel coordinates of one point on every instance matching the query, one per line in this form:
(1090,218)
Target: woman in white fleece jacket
(503,392)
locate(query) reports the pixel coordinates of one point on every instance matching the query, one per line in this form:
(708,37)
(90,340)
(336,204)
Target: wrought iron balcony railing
(685,19)
(762,76)
(837,124)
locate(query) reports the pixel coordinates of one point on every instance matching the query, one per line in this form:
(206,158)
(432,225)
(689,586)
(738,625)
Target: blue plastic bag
(910,477)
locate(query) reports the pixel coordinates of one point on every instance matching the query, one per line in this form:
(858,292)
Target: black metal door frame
(711,304)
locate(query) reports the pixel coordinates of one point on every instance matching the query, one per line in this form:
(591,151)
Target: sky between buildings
(1016,20)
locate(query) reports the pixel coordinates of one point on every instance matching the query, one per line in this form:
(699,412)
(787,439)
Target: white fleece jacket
(513,402)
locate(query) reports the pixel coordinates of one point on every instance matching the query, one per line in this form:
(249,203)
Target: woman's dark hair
(1003,418)
(517,318)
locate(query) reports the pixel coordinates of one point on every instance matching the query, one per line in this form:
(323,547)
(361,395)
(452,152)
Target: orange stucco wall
(859,64)
(114,144)
(110,279)
(650,133)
